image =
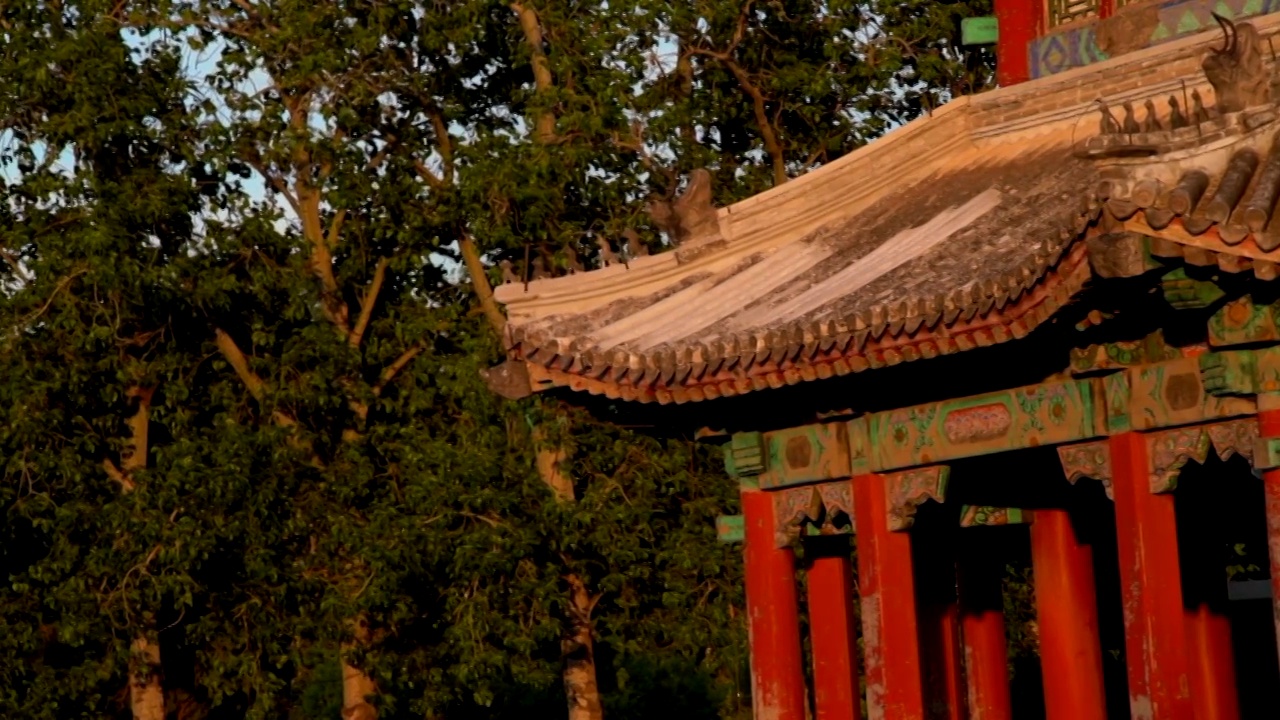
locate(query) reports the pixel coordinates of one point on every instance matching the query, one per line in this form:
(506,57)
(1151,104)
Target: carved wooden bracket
(909,490)
(1087,460)
(1168,451)
(825,509)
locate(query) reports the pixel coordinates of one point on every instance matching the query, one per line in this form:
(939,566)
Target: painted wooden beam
(1243,322)
(1183,391)
(1045,414)
(805,454)
(1109,357)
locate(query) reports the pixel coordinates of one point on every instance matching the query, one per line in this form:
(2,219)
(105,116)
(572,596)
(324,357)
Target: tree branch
(335,228)
(758,105)
(425,173)
(231,352)
(368,302)
(545,125)
(389,372)
(480,284)
(444,142)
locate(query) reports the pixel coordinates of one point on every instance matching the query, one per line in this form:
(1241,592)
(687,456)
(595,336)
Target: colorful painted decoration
(1170,450)
(980,515)
(1087,460)
(730,529)
(1120,355)
(1241,322)
(909,490)
(744,456)
(1026,417)
(823,509)
(805,454)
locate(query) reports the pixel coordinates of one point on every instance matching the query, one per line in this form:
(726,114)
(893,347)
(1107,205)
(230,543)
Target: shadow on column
(1222,537)
(1031,479)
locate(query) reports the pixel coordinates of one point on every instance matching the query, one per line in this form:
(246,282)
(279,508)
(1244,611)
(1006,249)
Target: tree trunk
(357,687)
(146,695)
(578,650)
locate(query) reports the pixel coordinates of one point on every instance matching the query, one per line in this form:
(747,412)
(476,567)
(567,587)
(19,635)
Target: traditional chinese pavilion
(1043,320)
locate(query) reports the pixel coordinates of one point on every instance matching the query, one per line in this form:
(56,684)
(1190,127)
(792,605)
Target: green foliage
(241,222)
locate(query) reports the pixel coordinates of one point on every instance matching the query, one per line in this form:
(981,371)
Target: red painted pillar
(1067,614)
(887,589)
(941,653)
(1151,587)
(943,660)
(1204,587)
(832,633)
(986,655)
(773,617)
(1269,427)
(1213,666)
(1020,22)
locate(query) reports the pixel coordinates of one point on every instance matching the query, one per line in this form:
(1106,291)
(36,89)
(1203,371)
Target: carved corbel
(793,509)
(1087,460)
(1168,451)
(909,489)
(1234,437)
(826,509)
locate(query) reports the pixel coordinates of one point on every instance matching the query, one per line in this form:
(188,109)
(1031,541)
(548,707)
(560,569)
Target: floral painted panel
(1045,414)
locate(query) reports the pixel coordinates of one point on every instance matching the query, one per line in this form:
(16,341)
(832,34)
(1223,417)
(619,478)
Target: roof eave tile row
(967,318)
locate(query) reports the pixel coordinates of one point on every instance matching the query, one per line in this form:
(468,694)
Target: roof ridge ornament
(1237,70)
(692,215)
(1241,84)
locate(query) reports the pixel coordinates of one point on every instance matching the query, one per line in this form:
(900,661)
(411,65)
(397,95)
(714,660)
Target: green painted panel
(730,529)
(805,454)
(1044,414)
(979,31)
(744,455)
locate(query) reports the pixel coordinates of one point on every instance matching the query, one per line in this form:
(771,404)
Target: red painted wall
(1020,22)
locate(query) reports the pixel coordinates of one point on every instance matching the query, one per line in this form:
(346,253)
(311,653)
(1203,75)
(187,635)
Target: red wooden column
(1020,22)
(1151,587)
(773,616)
(986,655)
(938,608)
(1067,613)
(1213,666)
(1204,587)
(887,589)
(832,633)
(1269,427)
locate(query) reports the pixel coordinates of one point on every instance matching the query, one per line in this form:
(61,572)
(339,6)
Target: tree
(248,432)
